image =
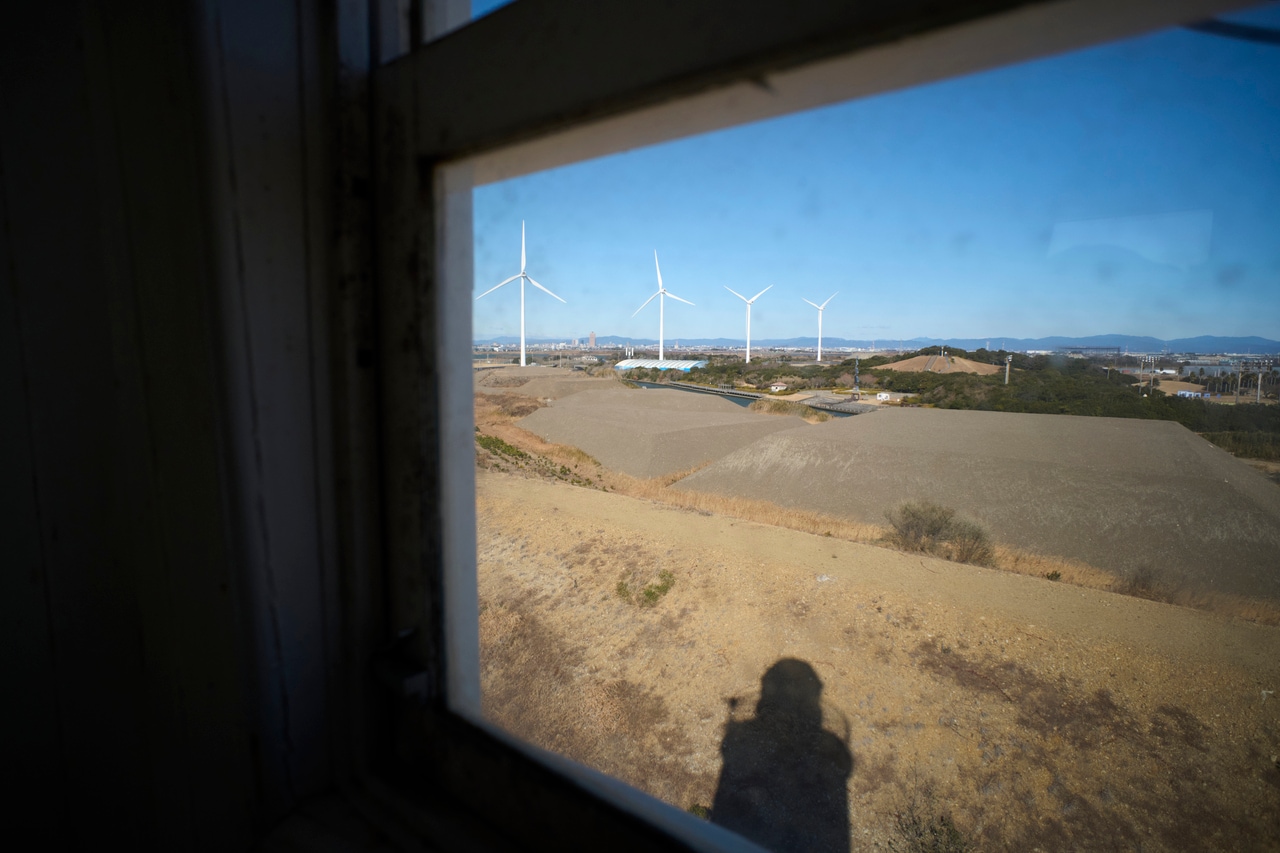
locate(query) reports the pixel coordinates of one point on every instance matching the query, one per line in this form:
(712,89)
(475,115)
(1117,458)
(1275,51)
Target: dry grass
(747,509)
(505,407)
(1140,584)
(767,406)
(1067,571)
(496,413)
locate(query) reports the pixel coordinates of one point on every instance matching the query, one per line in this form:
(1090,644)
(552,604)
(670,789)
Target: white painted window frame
(541,84)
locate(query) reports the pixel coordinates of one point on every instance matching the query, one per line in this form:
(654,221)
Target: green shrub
(650,594)
(1054,575)
(496,445)
(1250,445)
(654,591)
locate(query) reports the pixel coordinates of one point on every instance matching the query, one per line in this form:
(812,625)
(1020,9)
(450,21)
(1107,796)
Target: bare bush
(928,528)
(1142,582)
(769,406)
(921,827)
(969,543)
(919,526)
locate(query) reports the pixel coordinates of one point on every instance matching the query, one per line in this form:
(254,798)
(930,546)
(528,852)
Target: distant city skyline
(1128,188)
(1201,345)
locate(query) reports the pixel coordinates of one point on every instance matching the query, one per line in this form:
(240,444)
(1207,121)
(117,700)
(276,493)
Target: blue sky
(1150,168)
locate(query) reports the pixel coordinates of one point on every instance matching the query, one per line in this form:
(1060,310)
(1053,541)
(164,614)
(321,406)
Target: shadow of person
(783,779)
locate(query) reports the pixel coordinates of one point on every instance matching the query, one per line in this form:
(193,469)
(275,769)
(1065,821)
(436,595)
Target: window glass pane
(445,16)
(997,563)
(480,8)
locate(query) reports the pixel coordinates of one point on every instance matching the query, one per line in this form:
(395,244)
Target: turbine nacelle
(745,299)
(823,305)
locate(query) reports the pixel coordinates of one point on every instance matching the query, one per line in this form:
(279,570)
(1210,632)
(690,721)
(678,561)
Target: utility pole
(1008,360)
(1263,366)
(1238,366)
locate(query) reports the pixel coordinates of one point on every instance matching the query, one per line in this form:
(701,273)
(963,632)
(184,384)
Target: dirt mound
(650,432)
(1147,500)
(938,364)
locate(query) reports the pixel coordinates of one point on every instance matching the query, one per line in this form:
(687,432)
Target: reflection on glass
(999,570)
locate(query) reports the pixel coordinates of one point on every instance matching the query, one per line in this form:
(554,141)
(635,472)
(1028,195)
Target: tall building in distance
(591,341)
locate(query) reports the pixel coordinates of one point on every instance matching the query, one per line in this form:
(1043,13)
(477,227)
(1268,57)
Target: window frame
(536,85)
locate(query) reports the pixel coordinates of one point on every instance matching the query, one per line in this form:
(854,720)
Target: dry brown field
(949,364)
(1036,715)
(1173,386)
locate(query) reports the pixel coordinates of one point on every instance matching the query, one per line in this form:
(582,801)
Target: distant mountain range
(1252,345)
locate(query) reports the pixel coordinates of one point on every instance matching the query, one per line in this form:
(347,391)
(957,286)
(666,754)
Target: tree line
(1038,384)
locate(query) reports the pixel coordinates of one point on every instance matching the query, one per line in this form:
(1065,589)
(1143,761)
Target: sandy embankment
(1132,497)
(651,432)
(1043,716)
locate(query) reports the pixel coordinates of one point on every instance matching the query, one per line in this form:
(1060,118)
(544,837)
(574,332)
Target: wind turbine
(661,293)
(522,276)
(748,301)
(820,307)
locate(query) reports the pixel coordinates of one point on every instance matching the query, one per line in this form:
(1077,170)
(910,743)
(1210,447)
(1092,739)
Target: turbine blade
(829,298)
(646,302)
(737,294)
(543,289)
(678,299)
(496,286)
(658,268)
(758,295)
(819,307)
(521,245)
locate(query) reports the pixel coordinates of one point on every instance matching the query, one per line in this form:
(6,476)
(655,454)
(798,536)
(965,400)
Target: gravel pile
(650,432)
(1128,496)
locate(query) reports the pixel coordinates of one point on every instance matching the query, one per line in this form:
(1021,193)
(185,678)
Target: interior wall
(165,434)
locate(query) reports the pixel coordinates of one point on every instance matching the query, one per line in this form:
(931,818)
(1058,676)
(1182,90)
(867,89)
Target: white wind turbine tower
(522,276)
(820,307)
(661,293)
(748,301)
